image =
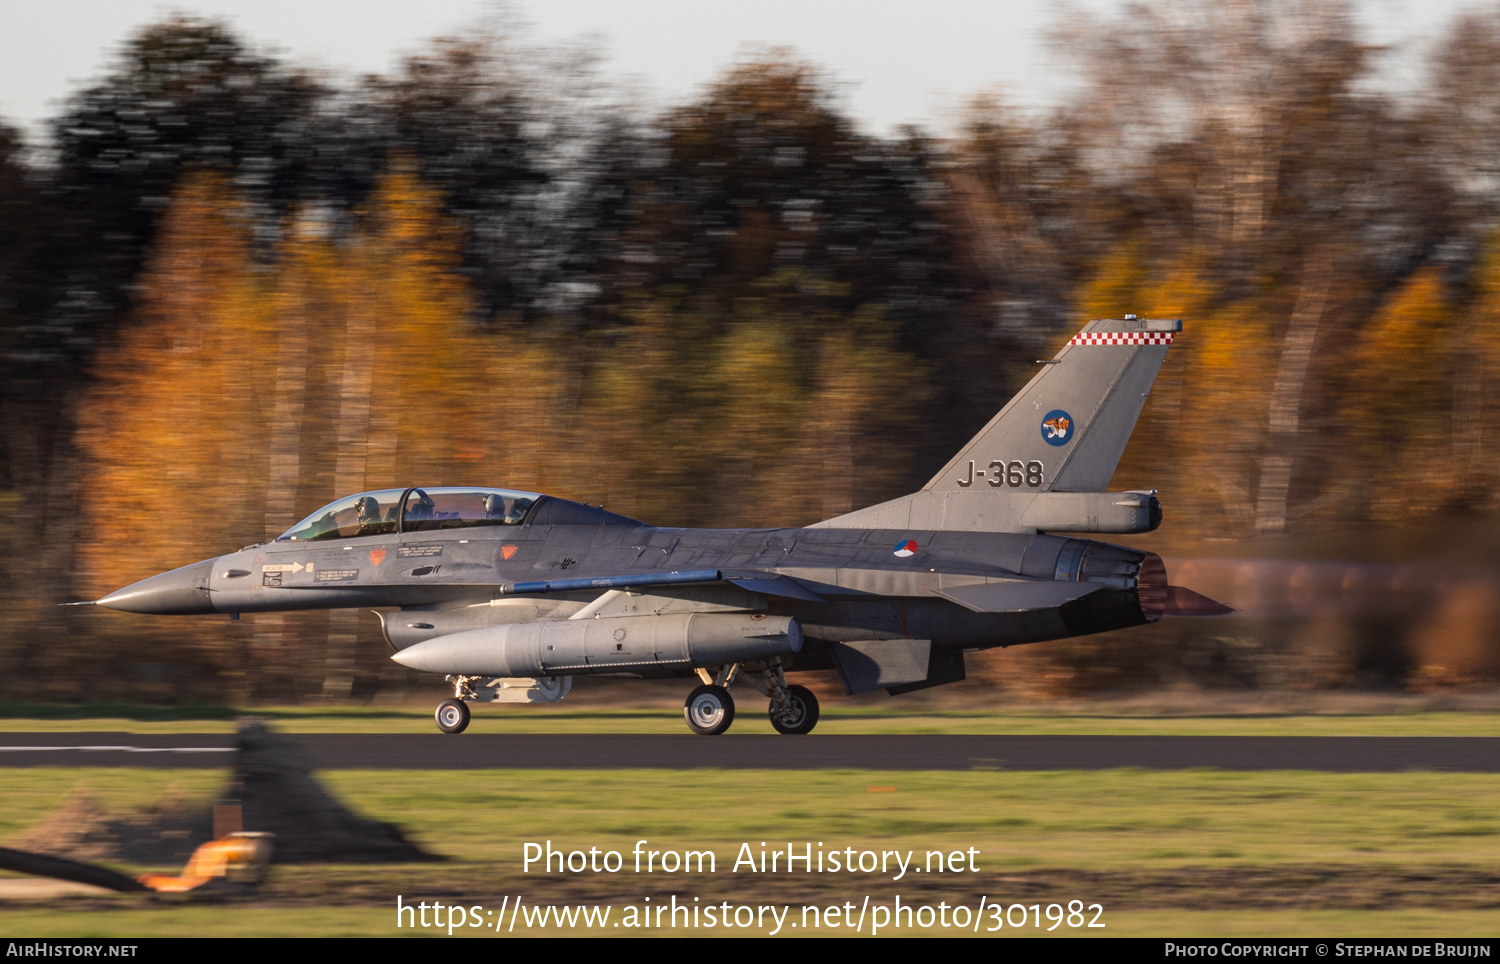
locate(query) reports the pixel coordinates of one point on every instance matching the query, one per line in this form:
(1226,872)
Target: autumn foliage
(238,295)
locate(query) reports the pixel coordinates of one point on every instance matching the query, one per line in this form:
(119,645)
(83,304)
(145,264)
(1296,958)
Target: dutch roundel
(904,549)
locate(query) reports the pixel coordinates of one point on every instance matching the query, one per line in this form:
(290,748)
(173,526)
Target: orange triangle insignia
(507,551)
(376,556)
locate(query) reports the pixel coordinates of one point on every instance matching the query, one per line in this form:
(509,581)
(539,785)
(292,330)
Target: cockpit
(390,511)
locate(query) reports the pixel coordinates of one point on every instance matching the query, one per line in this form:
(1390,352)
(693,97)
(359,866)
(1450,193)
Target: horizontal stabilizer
(1185,602)
(1018,597)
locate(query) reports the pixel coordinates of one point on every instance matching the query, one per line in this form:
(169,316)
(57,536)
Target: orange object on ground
(238,857)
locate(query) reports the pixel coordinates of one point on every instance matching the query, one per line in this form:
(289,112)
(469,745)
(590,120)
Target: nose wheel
(709,710)
(452,716)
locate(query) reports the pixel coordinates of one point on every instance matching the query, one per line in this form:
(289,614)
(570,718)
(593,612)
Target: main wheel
(709,710)
(452,716)
(801,716)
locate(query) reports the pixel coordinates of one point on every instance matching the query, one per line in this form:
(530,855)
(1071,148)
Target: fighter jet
(510,594)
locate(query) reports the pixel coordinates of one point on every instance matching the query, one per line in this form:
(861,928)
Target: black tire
(708,710)
(452,716)
(804,716)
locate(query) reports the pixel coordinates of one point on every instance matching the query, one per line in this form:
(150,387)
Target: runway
(481,751)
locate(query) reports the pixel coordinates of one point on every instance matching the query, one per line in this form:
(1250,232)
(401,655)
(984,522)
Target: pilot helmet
(494,507)
(367,508)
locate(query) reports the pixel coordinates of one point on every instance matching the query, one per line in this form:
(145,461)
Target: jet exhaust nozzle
(1159,598)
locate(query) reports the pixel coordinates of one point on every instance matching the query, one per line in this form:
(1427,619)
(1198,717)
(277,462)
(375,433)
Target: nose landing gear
(452,716)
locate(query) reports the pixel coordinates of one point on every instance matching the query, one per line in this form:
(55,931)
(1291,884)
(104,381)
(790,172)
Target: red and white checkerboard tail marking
(1121,338)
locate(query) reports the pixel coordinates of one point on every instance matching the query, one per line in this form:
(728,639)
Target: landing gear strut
(793,709)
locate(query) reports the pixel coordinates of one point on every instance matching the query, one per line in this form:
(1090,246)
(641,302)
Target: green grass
(835,720)
(28,795)
(1121,819)
(191,921)
(1178,853)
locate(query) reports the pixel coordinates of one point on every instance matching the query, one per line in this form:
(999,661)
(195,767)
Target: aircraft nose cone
(181,592)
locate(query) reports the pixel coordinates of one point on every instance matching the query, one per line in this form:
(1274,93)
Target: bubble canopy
(389,511)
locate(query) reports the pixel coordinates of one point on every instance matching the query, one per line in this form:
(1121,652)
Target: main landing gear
(709,709)
(800,713)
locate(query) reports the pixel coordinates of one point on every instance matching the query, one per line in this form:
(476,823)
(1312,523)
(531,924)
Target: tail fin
(1064,432)
(1075,416)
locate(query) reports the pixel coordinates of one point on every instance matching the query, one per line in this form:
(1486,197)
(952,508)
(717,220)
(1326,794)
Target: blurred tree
(742,310)
(1477,384)
(168,432)
(1250,127)
(33,412)
(175,416)
(185,93)
(1294,361)
(1247,142)
(763,173)
(24,221)
(1169,429)
(766,419)
(526,146)
(1232,75)
(764,178)
(1398,401)
(1035,220)
(1462,105)
(248,394)
(1120,279)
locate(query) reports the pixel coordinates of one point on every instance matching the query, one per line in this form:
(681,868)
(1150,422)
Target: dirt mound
(275,791)
(275,787)
(164,833)
(79,829)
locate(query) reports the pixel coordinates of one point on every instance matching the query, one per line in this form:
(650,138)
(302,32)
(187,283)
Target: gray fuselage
(849,584)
